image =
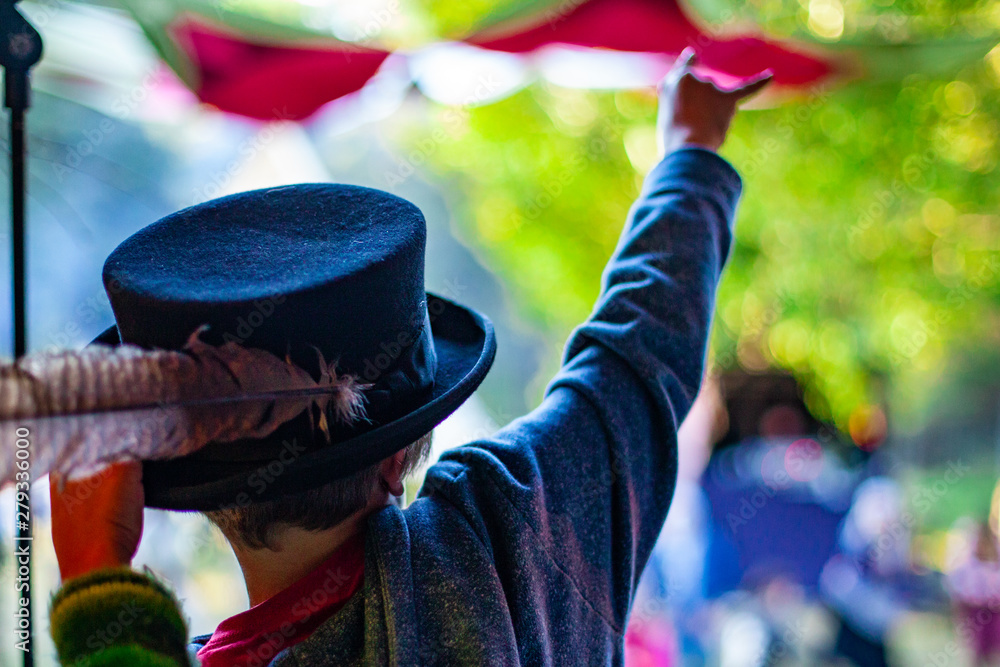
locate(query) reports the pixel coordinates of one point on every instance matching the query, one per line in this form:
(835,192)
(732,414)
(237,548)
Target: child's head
(256,526)
(330,278)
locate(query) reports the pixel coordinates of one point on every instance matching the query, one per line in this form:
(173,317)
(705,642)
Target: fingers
(681,66)
(754,85)
(687,58)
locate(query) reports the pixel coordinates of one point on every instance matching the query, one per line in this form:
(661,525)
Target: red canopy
(268,81)
(654,26)
(274,80)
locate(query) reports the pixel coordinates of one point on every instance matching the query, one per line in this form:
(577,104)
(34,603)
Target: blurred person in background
(974,585)
(732,577)
(777,492)
(768,472)
(871,582)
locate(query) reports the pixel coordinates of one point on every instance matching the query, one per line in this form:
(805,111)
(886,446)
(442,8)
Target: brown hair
(254,525)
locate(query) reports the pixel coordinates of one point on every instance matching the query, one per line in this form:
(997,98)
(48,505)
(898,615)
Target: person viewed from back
(522,548)
(974,585)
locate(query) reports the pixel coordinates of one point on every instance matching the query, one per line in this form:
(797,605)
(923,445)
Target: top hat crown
(300,271)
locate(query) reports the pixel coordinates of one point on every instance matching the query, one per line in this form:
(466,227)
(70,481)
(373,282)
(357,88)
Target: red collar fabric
(252,638)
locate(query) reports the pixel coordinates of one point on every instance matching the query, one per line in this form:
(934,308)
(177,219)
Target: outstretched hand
(696,111)
(97,521)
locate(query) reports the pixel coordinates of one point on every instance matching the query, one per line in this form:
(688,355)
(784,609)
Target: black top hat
(293,270)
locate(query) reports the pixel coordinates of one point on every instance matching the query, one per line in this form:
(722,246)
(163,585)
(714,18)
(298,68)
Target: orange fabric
(97,520)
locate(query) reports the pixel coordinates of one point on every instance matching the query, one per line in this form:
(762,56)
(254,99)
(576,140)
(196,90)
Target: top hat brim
(466,346)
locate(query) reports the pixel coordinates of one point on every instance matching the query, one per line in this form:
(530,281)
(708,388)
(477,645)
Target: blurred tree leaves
(861,21)
(868,238)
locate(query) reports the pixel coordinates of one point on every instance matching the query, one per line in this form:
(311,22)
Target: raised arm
(582,484)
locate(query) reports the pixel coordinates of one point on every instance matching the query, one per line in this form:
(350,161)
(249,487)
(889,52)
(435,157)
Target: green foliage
(860,21)
(869,236)
(868,239)
(460,19)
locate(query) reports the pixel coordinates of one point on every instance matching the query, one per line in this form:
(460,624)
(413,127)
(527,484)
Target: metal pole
(17,194)
(22,519)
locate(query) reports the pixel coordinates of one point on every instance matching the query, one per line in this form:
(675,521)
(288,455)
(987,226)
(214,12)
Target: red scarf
(253,637)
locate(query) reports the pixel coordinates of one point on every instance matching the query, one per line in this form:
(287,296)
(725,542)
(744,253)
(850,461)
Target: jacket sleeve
(117,617)
(587,477)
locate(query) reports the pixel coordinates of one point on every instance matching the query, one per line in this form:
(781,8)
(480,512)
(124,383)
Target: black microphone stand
(20,49)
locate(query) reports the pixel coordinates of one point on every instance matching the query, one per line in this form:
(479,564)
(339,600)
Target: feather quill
(86,409)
